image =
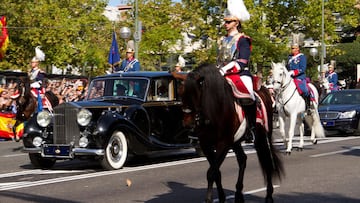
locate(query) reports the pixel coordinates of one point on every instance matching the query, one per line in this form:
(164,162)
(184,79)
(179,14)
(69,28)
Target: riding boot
(307,102)
(250,115)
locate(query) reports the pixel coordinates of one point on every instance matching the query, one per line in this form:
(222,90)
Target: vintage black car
(124,114)
(340,111)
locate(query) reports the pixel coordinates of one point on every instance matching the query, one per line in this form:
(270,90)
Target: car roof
(148,74)
(345,91)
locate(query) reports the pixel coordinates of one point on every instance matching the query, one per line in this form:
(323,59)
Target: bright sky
(114,2)
(120,2)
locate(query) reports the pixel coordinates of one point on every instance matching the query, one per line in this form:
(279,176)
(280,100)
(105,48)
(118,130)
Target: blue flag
(114,55)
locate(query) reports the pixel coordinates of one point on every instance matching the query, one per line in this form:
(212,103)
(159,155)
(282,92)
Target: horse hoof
(269,200)
(314,141)
(287,153)
(300,149)
(17,139)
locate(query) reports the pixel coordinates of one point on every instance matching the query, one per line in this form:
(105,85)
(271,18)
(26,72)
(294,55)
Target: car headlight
(83,142)
(37,141)
(348,114)
(84,117)
(43,118)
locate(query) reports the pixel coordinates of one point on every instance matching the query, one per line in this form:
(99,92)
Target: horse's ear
(283,63)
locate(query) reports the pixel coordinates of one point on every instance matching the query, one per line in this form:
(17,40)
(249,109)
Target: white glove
(229,66)
(291,72)
(35,85)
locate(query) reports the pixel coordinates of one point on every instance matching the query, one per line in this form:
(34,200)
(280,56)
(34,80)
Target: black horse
(209,108)
(26,103)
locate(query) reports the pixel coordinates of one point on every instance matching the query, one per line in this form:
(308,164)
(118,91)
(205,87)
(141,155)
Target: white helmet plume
(181,61)
(39,54)
(238,9)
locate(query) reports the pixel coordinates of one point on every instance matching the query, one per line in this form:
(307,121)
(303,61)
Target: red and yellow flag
(7,122)
(4,37)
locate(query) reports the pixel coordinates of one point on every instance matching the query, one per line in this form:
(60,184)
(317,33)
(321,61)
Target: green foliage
(75,32)
(349,58)
(65,30)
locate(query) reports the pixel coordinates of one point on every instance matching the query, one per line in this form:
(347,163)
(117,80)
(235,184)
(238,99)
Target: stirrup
(249,136)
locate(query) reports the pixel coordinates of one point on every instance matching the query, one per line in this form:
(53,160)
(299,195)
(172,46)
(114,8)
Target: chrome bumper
(74,151)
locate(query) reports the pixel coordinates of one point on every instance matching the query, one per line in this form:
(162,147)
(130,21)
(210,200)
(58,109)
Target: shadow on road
(314,198)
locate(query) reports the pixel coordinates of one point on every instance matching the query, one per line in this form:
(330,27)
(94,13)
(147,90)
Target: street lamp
(314,52)
(322,39)
(125,33)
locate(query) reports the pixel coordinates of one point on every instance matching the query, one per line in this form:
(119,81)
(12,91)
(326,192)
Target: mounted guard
(233,60)
(37,77)
(297,66)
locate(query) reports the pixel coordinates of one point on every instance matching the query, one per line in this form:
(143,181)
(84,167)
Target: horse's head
(191,99)
(280,75)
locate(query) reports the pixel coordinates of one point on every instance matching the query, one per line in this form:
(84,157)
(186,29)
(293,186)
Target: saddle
(261,113)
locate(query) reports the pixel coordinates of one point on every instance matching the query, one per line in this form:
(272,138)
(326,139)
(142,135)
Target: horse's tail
(315,122)
(266,97)
(268,155)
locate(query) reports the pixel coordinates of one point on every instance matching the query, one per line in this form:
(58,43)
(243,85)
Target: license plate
(329,123)
(57,150)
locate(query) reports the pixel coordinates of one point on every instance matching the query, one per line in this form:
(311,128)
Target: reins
(283,88)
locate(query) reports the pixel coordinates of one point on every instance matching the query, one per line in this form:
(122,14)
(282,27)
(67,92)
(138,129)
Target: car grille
(329,115)
(66,129)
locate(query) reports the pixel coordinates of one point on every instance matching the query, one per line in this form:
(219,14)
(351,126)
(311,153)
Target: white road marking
(248,192)
(24,184)
(92,175)
(335,152)
(13,155)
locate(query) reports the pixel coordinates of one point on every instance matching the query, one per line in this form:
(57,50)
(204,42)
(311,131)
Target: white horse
(290,104)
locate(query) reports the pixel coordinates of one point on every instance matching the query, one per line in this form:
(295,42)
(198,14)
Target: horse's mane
(217,103)
(25,101)
(53,99)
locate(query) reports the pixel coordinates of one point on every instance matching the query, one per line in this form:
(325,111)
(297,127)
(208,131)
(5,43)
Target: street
(326,172)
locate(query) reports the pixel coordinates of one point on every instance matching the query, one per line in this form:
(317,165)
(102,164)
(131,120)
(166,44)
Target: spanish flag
(4,37)
(7,122)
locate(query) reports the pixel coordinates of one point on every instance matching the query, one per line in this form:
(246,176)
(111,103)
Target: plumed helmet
(181,61)
(129,50)
(35,59)
(236,10)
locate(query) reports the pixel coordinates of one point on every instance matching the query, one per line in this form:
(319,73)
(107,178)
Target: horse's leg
(281,119)
(301,132)
(16,136)
(210,156)
(292,125)
(241,159)
(220,157)
(215,159)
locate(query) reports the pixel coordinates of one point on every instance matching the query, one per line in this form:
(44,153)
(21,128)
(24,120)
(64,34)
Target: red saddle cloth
(261,113)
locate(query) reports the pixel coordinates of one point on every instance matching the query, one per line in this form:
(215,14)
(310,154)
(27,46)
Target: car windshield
(118,87)
(342,97)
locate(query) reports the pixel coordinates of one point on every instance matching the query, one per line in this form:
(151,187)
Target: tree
(66,31)
(349,58)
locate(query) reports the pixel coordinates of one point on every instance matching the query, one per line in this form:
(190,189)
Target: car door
(165,112)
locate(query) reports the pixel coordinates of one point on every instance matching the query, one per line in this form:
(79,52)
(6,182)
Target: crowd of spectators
(65,89)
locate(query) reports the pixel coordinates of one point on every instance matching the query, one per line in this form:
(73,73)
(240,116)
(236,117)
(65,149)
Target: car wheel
(116,152)
(40,162)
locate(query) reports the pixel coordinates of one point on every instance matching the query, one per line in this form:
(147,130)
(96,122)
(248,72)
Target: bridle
(283,87)
(196,112)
